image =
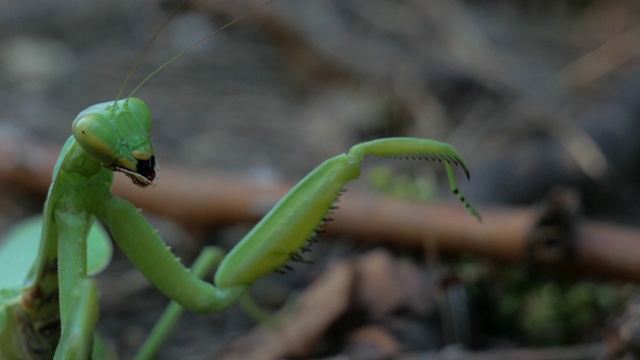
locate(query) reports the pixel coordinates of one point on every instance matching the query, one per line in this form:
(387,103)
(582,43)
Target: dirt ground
(534,94)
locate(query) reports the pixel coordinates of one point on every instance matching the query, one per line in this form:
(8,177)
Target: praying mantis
(55,313)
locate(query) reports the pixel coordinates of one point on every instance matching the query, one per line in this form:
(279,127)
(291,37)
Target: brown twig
(578,352)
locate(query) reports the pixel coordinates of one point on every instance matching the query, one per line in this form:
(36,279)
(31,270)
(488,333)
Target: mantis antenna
(148,45)
(196,44)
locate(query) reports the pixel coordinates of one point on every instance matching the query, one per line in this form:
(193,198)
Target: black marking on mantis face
(143,176)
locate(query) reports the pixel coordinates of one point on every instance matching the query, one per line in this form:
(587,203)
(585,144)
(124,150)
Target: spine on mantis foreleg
(280,235)
(419,149)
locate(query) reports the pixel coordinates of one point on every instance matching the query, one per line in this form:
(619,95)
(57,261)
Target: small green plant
(554,311)
(401,187)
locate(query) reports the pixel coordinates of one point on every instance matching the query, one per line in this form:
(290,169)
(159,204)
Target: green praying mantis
(55,313)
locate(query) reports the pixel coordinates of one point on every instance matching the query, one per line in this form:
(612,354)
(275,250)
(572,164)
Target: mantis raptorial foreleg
(285,229)
(72,259)
(144,248)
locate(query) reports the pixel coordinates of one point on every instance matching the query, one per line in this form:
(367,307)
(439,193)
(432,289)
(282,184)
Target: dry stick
(199,199)
(575,352)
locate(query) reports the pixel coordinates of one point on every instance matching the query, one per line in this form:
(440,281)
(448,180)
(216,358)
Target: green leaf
(99,249)
(19,248)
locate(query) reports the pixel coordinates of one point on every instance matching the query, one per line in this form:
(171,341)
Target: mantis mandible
(57,308)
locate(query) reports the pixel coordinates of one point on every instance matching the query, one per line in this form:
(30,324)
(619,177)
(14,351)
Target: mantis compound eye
(116,134)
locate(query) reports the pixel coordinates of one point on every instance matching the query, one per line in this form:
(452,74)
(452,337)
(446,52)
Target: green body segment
(420,149)
(410,147)
(286,228)
(400,146)
(144,248)
(78,335)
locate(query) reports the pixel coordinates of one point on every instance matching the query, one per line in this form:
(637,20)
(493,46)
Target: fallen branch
(199,200)
(577,352)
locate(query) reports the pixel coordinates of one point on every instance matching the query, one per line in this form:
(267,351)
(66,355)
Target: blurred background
(540,97)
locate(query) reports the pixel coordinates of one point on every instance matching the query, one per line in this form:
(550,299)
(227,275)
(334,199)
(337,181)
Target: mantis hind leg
(208,259)
(282,234)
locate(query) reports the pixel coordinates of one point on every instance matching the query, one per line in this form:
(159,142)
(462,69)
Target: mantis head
(117,134)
